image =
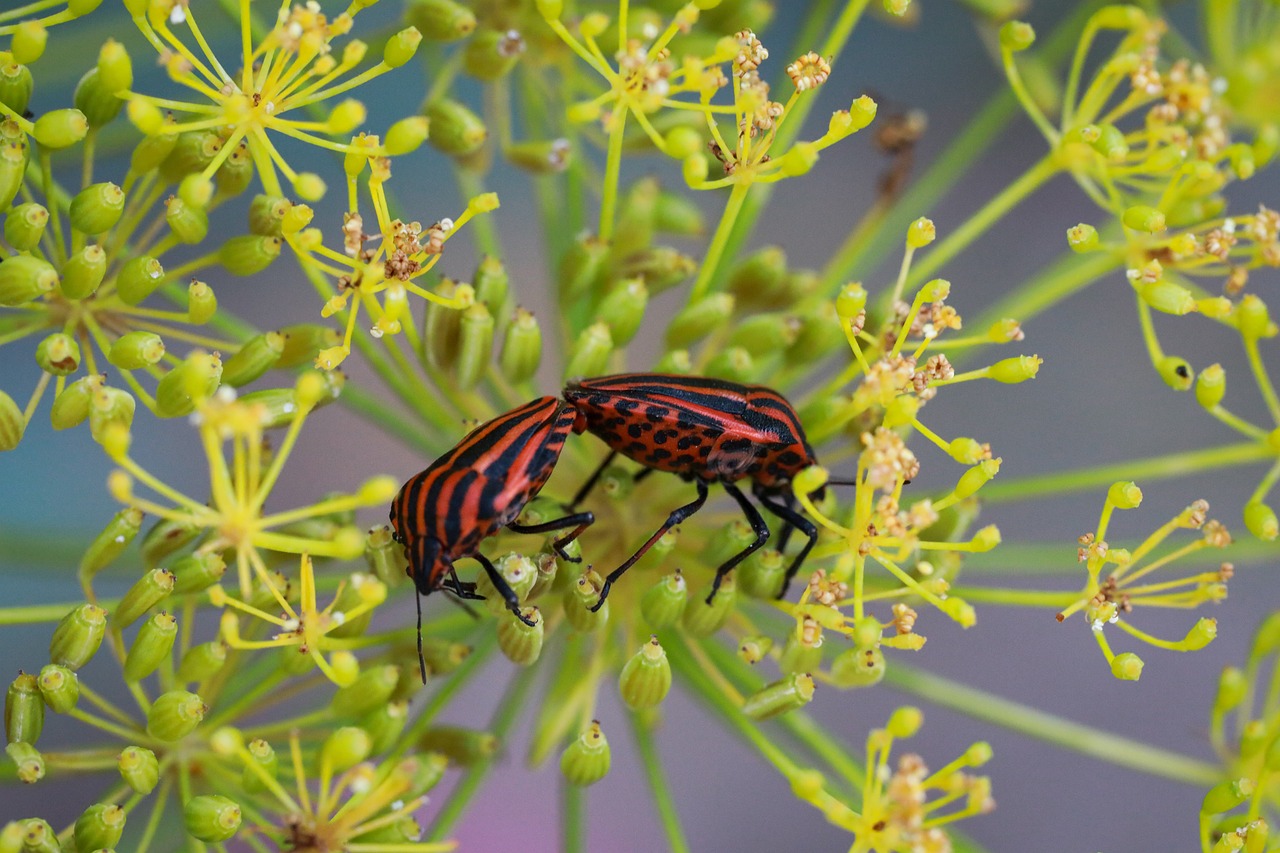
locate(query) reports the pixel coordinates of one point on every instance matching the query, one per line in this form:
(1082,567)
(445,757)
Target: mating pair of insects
(704,430)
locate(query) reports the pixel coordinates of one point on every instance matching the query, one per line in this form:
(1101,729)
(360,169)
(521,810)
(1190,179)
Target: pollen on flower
(809,72)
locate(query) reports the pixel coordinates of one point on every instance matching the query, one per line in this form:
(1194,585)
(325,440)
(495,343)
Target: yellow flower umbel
(292,68)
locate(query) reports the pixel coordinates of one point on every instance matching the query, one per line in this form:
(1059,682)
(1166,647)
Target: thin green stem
(1018,597)
(662,798)
(720,241)
(612,170)
(573,823)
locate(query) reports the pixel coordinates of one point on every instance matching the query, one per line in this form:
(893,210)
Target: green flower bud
(1124,495)
(586,761)
(98,103)
(904,722)
(696,321)
(12,423)
(1020,368)
(1211,386)
(727,541)
(762,573)
(475,345)
(15,86)
(303,341)
(1252,317)
(861,666)
(258,355)
(139,768)
(521,347)
(442,658)
(108,544)
(491,54)
(464,747)
(702,619)
(661,267)
(541,157)
(442,328)
(1225,796)
(280,405)
(152,151)
(24,225)
(262,760)
(455,130)
(646,677)
(789,694)
(1204,632)
(196,378)
(580,266)
(13,167)
(23,709)
(401,47)
(764,335)
(24,278)
(59,687)
(521,643)
(384,556)
(520,574)
(589,355)
(734,364)
(1143,218)
(29,768)
(345,117)
(371,688)
(1016,36)
(61,128)
(188,223)
(385,724)
(803,650)
(634,230)
(174,715)
(622,310)
(115,67)
(580,597)
(440,20)
(138,278)
(248,254)
(58,354)
(759,281)
(676,213)
(202,304)
(1167,297)
(191,153)
(11,837)
(266,215)
(753,649)
(27,45)
(83,271)
(406,135)
(77,637)
(99,826)
(1126,667)
(203,661)
(1261,520)
(237,171)
(108,406)
(151,647)
(149,590)
(136,350)
(1233,686)
(394,836)
(211,817)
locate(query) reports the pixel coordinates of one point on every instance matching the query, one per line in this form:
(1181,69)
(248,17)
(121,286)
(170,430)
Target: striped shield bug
(476,489)
(705,430)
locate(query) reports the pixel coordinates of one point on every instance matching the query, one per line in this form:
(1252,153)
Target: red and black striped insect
(479,487)
(706,430)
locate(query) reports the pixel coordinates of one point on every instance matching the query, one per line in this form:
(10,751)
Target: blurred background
(1095,401)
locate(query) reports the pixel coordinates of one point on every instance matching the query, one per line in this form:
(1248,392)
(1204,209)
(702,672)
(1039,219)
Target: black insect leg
(678,515)
(787,513)
(504,589)
(784,535)
(591,481)
(757,526)
(579,521)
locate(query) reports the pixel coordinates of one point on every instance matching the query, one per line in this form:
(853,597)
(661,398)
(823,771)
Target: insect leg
(788,514)
(504,589)
(757,526)
(579,521)
(592,480)
(677,515)
(784,535)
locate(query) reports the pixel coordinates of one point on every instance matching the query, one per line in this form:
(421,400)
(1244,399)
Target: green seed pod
(1143,218)
(16,86)
(153,150)
(99,827)
(114,65)
(197,572)
(258,355)
(138,278)
(211,817)
(136,350)
(190,153)
(760,280)
(175,714)
(262,761)
(580,597)
(590,353)
(236,174)
(1126,666)
(646,677)
(71,407)
(580,266)
(664,602)
(24,226)
(1233,686)
(404,831)
(661,267)
(462,746)
(440,20)
(858,667)
(1020,368)
(586,761)
(634,231)
(59,687)
(385,724)
(114,538)
(521,643)
(541,157)
(13,167)
(520,574)
(280,405)
(12,423)
(27,45)
(196,378)
(442,658)
(385,556)
(762,574)
(803,650)
(77,637)
(475,345)
(455,130)
(696,321)
(29,768)
(424,772)
(151,647)
(753,649)
(442,328)
(58,354)
(203,661)
(149,590)
(1252,317)
(23,709)
(188,223)
(1225,796)
(406,135)
(401,47)
(491,54)
(11,837)
(791,693)
(371,688)
(676,213)
(491,282)
(83,272)
(702,619)
(1167,297)
(248,254)
(60,129)
(622,309)
(24,278)
(1261,521)
(727,541)
(139,768)
(202,304)
(303,341)
(765,334)
(267,213)
(98,104)
(110,406)
(521,348)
